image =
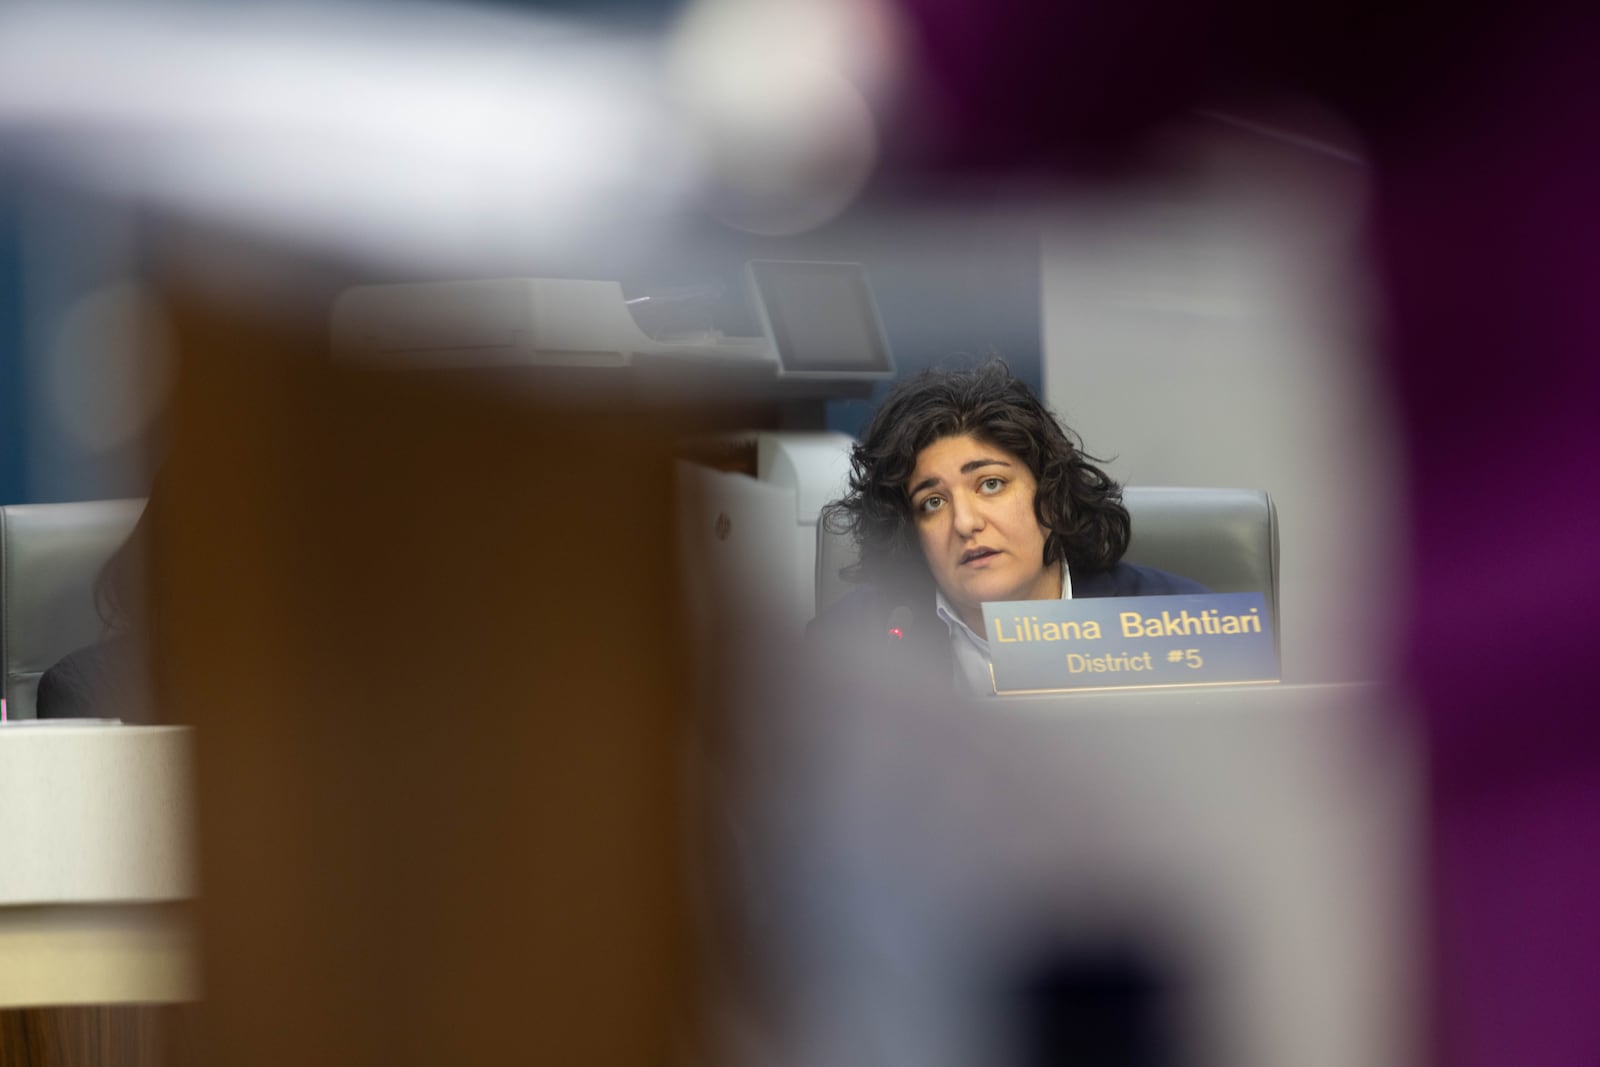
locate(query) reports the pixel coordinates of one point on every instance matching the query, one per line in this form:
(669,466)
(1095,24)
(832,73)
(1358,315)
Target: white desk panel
(96,863)
(94,813)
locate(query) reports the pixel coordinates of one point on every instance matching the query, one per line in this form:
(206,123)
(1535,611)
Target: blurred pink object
(1478,129)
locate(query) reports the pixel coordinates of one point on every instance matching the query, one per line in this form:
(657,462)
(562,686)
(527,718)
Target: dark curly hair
(1076,501)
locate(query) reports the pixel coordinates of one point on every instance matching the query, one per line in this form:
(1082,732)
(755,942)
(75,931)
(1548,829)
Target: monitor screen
(821,318)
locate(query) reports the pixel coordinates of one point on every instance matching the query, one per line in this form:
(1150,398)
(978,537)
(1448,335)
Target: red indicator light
(896,633)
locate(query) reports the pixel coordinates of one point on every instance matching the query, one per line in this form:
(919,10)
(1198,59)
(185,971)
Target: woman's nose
(967,515)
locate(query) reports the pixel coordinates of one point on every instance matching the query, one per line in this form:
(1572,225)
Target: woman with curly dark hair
(965,489)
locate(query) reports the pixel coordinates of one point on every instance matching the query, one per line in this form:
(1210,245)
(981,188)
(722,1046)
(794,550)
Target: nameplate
(1126,642)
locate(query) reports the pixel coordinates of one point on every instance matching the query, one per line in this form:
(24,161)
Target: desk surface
(96,860)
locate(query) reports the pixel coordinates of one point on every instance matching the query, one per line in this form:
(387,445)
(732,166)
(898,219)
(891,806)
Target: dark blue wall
(951,282)
(949,285)
(13,384)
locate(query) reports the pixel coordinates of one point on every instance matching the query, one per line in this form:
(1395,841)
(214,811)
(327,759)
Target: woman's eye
(991,485)
(931,504)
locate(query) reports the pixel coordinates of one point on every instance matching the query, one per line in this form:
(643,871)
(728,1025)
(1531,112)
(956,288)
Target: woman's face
(973,508)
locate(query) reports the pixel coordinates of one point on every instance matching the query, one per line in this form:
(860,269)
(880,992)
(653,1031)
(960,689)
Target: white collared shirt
(971,650)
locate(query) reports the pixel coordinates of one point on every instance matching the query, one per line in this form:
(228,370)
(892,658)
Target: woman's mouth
(976,555)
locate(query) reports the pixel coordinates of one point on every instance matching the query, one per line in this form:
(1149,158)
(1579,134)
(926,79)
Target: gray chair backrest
(1225,539)
(50,557)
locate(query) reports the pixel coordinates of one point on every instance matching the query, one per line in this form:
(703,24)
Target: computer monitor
(820,318)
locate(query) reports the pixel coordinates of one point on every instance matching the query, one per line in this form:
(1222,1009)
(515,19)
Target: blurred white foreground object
(1249,851)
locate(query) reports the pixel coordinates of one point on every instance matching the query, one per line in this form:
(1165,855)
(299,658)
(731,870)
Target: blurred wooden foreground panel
(122,1035)
(428,634)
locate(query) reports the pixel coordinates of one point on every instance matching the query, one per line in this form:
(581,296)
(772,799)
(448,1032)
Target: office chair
(50,558)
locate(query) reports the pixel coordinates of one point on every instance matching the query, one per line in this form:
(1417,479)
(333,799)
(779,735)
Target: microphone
(899,623)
